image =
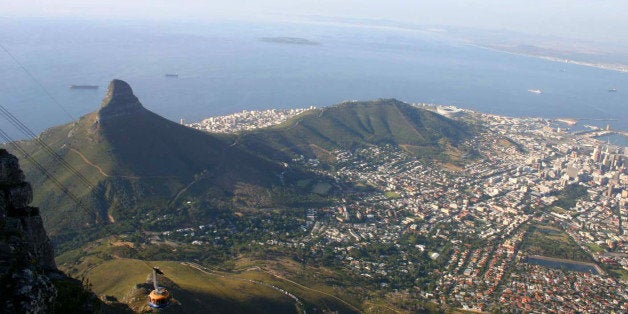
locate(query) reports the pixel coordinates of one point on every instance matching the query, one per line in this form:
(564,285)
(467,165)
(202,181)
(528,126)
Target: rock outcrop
(29,279)
(26,253)
(119,101)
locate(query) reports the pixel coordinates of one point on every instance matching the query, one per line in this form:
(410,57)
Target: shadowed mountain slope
(133,158)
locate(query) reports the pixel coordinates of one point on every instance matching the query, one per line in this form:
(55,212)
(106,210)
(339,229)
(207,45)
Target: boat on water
(172,75)
(83,86)
(535,91)
(613,90)
(591,127)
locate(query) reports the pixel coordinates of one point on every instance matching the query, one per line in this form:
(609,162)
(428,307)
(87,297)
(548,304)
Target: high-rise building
(596,153)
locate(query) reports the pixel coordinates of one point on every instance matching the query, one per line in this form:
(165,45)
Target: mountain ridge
(136,160)
(355,124)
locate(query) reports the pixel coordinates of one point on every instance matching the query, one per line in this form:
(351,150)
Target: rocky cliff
(29,279)
(25,251)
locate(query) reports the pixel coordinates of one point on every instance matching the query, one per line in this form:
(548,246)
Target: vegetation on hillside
(357,124)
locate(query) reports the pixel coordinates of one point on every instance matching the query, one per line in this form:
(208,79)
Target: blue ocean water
(223,67)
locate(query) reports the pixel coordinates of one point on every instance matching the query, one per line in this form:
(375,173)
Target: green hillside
(356,124)
(135,165)
(132,158)
(192,288)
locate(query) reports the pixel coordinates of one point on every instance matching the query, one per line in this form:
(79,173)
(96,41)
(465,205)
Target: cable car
(159,298)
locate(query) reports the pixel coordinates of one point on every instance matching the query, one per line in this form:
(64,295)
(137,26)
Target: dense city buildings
(534,220)
(246,120)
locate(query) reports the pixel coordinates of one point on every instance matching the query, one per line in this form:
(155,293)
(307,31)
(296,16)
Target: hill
(129,167)
(130,159)
(351,125)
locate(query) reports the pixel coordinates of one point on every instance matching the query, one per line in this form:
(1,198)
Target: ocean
(224,67)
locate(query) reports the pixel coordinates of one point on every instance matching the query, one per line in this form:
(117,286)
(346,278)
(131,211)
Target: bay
(224,67)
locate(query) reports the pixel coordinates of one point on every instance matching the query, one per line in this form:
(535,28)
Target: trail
(201,176)
(296,299)
(312,289)
(102,172)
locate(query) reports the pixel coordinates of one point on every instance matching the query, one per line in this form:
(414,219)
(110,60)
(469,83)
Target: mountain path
(87,161)
(312,289)
(255,282)
(196,179)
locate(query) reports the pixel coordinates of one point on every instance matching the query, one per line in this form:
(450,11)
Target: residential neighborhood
(508,227)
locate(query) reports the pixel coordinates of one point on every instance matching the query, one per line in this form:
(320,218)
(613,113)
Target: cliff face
(26,254)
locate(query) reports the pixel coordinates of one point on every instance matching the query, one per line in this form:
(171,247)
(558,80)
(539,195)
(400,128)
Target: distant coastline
(289,41)
(604,66)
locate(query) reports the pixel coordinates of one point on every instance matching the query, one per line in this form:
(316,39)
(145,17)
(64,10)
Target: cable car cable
(160,297)
(25,130)
(36,81)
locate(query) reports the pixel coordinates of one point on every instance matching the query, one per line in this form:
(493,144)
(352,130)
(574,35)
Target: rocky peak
(119,101)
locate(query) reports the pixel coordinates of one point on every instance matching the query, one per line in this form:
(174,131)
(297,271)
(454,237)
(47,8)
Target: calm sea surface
(224,68)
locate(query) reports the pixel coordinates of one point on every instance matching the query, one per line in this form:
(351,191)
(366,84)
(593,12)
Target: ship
(613,90)
(535,91)
(172,75)
(83,86)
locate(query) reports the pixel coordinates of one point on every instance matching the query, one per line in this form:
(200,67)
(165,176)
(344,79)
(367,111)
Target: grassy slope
(222,292)
(197,287)
(196,290)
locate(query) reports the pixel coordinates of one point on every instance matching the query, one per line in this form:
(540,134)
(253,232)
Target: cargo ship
(83,86)
(172,75)
(535,91)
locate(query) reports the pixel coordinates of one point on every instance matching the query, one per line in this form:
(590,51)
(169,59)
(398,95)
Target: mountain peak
(119,100)
(119,87)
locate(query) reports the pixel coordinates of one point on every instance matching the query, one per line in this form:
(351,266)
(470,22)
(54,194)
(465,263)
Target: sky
(604,20)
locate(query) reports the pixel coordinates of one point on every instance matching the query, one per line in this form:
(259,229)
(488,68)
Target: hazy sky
(586,19)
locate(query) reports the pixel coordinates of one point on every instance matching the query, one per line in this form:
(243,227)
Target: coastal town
(533,220)
(246,120)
